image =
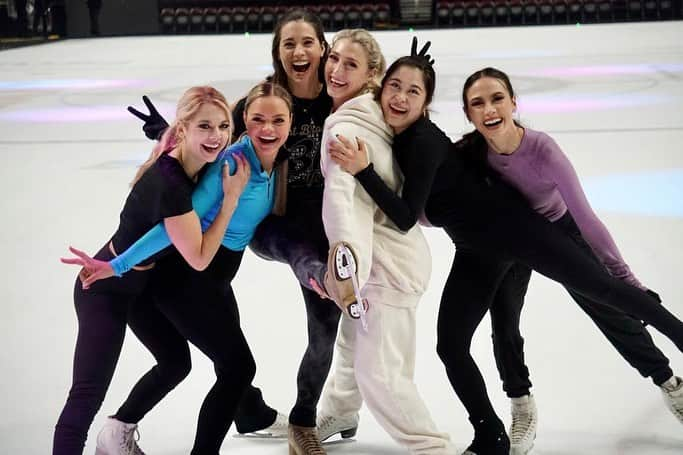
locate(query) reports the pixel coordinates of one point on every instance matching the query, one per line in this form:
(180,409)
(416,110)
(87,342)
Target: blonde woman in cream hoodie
(375,359)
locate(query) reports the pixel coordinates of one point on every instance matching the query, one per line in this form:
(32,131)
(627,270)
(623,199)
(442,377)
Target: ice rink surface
(611,95)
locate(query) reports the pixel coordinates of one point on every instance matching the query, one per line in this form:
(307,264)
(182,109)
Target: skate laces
(281,423)
(522,424)
(672,385)
(673,395)
(307,440)
(329,425)
(129,441)
(325,423)
(676,401)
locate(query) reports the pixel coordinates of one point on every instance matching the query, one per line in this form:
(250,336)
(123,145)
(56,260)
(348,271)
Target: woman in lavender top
(533,163)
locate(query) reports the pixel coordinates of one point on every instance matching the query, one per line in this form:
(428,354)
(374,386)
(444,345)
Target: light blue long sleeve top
(255,203)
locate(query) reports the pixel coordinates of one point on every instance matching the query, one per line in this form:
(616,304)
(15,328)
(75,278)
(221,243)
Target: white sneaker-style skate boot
(673,396)
(523,426)
(341,281)
(277,430)
(118,438)
(329,425)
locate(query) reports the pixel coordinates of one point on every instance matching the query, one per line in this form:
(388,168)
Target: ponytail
(167,143)
(474,148)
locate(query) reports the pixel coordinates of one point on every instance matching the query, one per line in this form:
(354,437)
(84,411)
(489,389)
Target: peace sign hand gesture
(93,269)
(423,52)
(155,124)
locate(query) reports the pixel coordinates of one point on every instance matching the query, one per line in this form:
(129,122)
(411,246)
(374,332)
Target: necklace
(514,144)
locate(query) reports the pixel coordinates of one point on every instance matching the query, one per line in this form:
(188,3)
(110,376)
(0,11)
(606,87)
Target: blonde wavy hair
(174,136)
(376,62)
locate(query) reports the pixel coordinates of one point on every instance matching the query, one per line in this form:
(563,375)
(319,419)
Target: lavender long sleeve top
(543,174)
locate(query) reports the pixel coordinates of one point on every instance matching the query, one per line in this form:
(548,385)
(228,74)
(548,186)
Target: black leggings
(102,311)
(298,239)
(486,247)
(202,308)
(627,334)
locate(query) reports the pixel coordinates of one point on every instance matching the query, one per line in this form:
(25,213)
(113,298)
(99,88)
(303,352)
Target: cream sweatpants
(378,367)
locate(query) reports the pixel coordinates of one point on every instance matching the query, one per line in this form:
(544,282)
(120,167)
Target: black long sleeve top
(440,181)
(420,151)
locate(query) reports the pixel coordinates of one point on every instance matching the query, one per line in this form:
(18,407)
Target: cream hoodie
(386,257)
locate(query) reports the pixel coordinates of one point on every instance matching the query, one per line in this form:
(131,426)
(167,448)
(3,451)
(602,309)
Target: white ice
(611,95)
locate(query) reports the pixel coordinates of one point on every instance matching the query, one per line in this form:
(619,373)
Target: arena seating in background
(211,16)
(214,16)
(469,13)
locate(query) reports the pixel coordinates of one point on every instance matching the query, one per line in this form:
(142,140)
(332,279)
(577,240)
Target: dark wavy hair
(279,75)
(427,70)
(473,144)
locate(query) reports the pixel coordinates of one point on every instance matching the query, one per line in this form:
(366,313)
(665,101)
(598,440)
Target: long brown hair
(271,89)
(422,65)
(279,75)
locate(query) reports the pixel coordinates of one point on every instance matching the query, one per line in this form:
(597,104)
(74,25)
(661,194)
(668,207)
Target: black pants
(201,307)
(627,334)
(298,239)
(508,343)
(102,311)
(489,239)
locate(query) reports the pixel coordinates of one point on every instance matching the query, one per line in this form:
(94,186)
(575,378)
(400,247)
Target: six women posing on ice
(333,161)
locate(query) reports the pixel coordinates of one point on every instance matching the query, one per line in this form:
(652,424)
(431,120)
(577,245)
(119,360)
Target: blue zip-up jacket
(255,203)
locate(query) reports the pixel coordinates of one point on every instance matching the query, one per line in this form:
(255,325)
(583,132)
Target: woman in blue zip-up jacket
(187,297)
(295,237)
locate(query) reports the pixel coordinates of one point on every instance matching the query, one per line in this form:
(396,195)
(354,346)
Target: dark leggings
(202,308)
(102,312)
(627,334)
(485,251)
(298,240)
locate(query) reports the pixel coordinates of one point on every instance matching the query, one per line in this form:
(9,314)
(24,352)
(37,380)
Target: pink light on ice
(583,103)
(69,84)
(608,70)
(68,114)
